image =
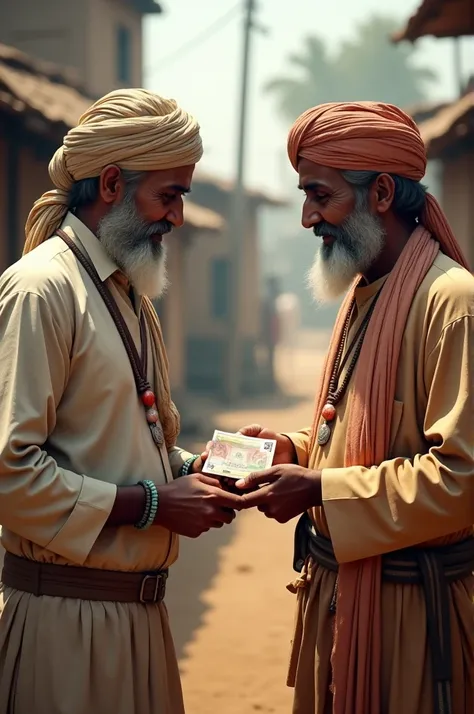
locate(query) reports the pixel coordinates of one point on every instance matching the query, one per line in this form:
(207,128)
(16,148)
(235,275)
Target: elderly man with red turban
(385,476)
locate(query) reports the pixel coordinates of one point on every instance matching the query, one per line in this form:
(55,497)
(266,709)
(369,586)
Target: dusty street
(230,610)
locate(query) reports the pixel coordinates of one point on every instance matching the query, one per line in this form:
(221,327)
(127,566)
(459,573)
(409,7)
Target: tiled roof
(422,111)
(202,218)
(441,18)
(452,123)
(40,90)
(28,86)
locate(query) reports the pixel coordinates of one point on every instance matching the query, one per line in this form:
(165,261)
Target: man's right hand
(285,452)
(194,504)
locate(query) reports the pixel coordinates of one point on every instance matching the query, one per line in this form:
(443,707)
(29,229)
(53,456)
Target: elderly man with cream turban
(384,478)
(90,500)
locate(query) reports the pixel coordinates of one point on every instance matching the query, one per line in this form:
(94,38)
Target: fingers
(229,486)
(209,480)
(223,516)
(226,515)
(251,430)
(227,499)
(254,499)
(259,477)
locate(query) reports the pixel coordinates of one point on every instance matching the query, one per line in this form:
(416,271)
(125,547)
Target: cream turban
(136,130)
(132,128)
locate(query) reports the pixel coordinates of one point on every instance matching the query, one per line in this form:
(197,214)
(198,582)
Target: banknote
(236,456)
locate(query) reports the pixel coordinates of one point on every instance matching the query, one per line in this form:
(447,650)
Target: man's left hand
(282,492)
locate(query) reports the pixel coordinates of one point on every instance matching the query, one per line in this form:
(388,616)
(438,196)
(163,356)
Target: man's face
(351,235)
(132,231)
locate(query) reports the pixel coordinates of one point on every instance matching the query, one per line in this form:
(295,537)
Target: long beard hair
(127,238)
(359,241)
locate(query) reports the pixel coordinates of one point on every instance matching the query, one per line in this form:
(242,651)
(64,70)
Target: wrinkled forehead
(312,176)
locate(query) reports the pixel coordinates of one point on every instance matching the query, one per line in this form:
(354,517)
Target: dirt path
(231,613)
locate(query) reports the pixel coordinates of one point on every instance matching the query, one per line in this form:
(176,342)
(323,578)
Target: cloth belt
(432,568)
(83,583)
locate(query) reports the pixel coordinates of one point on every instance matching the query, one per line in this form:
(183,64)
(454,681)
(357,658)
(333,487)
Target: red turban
(370,136)
(364,136)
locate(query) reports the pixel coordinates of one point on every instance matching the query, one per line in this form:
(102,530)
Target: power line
(202,36)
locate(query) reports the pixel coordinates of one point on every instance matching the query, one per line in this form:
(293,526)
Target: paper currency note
(236,456)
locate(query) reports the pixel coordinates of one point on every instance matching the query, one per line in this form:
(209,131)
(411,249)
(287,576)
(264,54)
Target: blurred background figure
(289,319)
(271,329)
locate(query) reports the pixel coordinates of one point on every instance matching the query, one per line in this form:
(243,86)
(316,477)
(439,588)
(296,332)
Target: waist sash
(432,568)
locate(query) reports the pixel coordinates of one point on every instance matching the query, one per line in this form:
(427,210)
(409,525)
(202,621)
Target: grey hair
(410,196)
(86,191)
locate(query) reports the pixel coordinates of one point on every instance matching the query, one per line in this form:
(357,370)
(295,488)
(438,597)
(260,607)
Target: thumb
(251,430)
(258,478)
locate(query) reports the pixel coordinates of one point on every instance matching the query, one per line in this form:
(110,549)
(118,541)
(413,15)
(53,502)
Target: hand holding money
(234,456)
(285,452)
(282,492)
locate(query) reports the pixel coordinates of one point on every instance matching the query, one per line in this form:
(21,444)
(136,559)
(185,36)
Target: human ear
(383,192)
(111,184)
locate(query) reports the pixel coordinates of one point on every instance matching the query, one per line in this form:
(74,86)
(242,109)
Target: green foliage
(369,67)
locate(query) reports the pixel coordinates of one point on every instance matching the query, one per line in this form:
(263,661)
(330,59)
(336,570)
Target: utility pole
(458,66)
(237,224)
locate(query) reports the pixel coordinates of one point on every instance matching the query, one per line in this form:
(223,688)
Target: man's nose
(310,218)
(176,216)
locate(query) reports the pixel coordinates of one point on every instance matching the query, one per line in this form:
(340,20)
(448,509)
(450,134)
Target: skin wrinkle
(359,235)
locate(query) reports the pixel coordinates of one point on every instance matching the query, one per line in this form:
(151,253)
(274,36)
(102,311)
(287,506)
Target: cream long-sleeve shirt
(72,427)
(424,490)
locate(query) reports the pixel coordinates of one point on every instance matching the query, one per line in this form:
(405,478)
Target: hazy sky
(205,77)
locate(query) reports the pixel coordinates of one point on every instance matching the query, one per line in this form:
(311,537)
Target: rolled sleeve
(300,440)
(177,458)
(76,538)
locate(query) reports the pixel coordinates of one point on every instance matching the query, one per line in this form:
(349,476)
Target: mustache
(158,227)
(326,229)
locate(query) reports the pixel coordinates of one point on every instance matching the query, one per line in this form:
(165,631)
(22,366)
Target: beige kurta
(424,492)
(72,429)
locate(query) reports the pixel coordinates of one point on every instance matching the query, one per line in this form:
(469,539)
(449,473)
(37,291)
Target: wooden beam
(12,168)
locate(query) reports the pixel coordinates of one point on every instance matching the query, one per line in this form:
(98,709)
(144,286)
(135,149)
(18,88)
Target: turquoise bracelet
(187,466)
(152,500)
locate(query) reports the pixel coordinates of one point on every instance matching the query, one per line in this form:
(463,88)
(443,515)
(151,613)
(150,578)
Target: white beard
(359,242)
(146,272)
(127,240)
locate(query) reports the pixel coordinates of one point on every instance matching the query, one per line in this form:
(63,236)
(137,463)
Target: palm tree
(369,67)
(315,82)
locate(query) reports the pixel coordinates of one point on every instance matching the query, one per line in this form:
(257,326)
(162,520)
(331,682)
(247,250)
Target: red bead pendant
(152,416)
(329,412)
(148,398)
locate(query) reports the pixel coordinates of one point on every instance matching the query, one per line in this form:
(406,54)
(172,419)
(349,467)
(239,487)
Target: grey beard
(127,239)
(359,240)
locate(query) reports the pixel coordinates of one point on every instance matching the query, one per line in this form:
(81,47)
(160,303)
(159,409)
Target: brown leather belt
(432,568)
(83,583)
